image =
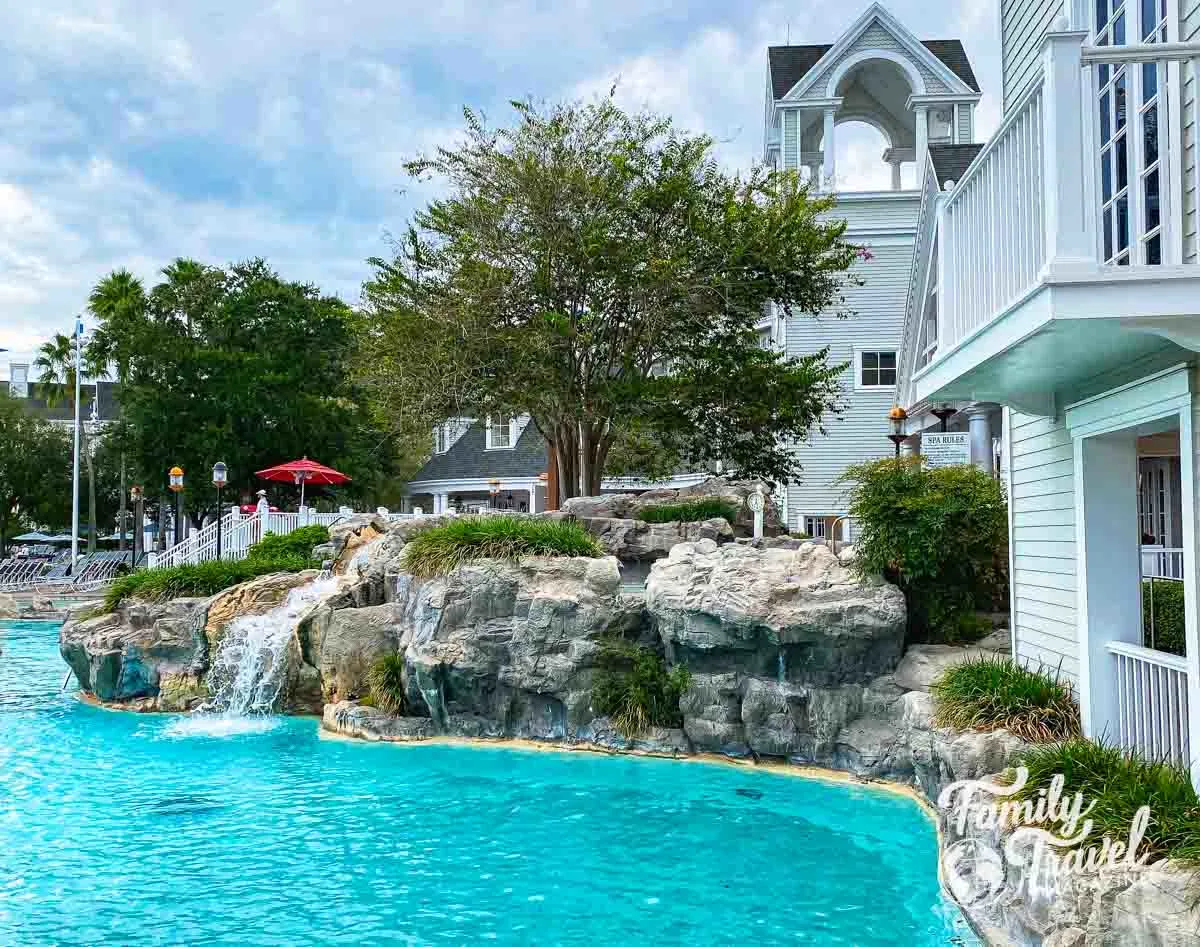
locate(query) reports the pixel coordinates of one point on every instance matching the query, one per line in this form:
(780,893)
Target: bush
(205,578)
(1120,783)
(386,681)
(1000,694)
(1167,596)
(299,542)
(941,535)
(690,511)
(439,550)
(635,689)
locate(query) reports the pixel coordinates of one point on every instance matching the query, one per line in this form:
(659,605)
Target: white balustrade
(1159,562)
(992,226)
(1152,702)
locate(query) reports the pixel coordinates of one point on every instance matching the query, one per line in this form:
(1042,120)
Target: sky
(133,132)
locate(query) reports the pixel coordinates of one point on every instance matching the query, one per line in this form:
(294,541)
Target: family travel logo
(1044,837)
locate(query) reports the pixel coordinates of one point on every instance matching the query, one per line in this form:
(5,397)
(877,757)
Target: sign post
(757,504)
(945,450)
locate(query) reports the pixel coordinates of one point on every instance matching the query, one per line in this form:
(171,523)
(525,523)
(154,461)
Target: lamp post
(943,412)
(896,418)
(220,476)
(139,534)
(494,490)
(176,486)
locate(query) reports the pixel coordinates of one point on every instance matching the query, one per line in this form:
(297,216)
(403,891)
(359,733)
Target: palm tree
(56,365)
(116,301)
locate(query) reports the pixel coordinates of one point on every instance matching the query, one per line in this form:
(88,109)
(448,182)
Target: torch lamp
(220,476)
(896,418)
(175,484)
(494,490)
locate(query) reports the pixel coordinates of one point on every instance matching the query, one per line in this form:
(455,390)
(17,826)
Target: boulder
(350,642)
(255,597)
(632,540)
(795,616)
(129,653)
(627,505)
(368,723)
(923,664)
(513,643)
(8,606)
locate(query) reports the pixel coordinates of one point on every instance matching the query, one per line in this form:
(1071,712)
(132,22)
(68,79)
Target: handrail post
(1067,209)
(945,298)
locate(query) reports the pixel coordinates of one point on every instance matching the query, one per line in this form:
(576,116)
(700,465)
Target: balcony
(1060,252)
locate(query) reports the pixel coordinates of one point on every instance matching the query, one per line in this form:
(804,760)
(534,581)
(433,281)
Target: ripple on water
(121,829)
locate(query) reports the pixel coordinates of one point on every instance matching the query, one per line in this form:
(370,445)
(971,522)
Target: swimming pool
(124,829)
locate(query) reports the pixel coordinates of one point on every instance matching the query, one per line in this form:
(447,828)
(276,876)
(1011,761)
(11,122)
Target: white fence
(1152,702)
(992,241)
(238,533)
(1162,563)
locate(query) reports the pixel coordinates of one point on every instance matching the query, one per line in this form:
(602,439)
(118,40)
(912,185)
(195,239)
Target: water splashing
(249,669)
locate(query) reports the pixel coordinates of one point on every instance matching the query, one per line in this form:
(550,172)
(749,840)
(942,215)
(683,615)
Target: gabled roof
(468,459)
(790,64)
(950,161)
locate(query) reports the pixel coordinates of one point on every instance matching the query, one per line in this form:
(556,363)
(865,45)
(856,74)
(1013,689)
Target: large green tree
(237,365)
(35,470)
(600,272)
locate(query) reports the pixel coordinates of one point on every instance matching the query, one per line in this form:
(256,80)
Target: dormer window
(441,439)
(499,434)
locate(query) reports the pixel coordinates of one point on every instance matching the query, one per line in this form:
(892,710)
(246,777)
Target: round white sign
(755,502)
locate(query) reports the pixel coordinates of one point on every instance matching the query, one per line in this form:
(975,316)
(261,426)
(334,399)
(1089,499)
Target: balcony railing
(1082,170)
(1152,702)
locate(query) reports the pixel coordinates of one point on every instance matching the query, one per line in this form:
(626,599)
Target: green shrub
(299,542)
(1121,783)
(689,511)
(386,682)
(438,550)
(635,689)
(1000,694)
(205,578)
(1167,596)
(941,535)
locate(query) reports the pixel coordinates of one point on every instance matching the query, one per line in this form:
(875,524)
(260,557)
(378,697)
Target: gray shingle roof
(469,460)
(789,64)
(950,161)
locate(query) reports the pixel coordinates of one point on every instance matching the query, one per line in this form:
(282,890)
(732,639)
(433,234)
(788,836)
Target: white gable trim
(915,79)
(877,13)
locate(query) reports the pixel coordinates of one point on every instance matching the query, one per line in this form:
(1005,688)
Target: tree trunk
(552,494)
(121,513)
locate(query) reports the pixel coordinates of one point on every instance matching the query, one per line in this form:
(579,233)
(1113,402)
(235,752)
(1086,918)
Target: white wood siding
(860,434)
(1023,26)
(877,37)
(1189,30)
(1042,494)
(966,133)
(789,149)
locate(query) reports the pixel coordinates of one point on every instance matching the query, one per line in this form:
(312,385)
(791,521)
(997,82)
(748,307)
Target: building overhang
(929,99)
(1081,321)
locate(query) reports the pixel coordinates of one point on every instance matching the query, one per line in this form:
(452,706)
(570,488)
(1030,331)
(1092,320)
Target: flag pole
(75,458)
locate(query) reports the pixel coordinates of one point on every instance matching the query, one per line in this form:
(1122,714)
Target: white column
(828,148)
(1189,454)
(1063,142)
(981,437)
(895,174)
(441,502)
(922,131)
(533,497)
(1108,564)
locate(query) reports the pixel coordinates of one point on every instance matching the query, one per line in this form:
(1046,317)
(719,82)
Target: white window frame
(441,438)
(814,526)
(487,430)
(858,367)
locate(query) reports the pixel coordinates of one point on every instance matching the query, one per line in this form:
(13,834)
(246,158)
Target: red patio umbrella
(302,472)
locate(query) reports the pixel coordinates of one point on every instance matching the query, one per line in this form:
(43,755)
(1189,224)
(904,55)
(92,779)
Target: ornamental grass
(438,551)
(996,693)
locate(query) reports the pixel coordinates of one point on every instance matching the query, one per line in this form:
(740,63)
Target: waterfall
(250,667)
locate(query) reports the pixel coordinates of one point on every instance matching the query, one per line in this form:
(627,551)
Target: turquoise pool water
(115,830)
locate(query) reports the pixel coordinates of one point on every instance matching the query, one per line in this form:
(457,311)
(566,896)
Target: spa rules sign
(943,450)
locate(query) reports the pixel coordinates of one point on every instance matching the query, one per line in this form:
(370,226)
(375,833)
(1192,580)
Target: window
(1131,183)
(499,434)
(814,526)
(441,439)
(876,369)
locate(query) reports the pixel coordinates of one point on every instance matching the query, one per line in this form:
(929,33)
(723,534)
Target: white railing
(1162,563)
(1152,702)
(991,227)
